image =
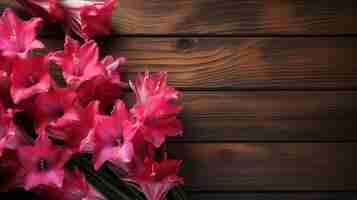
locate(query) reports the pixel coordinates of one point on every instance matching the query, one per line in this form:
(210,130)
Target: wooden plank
(239,63)
(232,17)
(268,166)
(269,116)
(273,196)
(243,63)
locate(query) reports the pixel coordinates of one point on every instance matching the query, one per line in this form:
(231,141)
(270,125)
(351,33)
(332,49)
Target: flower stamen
(42,165)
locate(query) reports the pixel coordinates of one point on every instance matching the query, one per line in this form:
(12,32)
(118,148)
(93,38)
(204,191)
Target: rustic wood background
(270,91)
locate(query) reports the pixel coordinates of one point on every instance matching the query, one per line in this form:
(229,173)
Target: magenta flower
(89,18)
(17,37)
(156,108)
(104,88)
(75,187)
(48,9)
(78,63)
(110,142)
(54,110)
(29,77)
(156,179)
(77,136)
(43,163)
(10,135)
(99,88)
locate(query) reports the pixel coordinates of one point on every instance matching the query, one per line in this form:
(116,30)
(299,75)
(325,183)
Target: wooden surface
(270,91)
(226,17)
(274,196)
(237,63)
(268,167)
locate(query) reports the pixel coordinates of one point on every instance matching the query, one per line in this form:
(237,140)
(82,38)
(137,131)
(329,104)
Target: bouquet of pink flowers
(61,109)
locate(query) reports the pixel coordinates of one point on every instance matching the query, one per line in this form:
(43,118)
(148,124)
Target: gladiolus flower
(156,108)
(78,63)
(10,135)
(155,179)
(43,163)
(29,77)
(48,9)
(77,136)
(110,142)
(99,88)
(17,37)
(75,187)
(104,88)
(55,109)
(89,18)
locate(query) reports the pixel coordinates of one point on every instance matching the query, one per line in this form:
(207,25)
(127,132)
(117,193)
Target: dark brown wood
(244,63)
(273,196)
(240,63)
(268,166)
(227,17)
(269,116)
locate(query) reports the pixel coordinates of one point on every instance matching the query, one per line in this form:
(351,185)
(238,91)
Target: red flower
(99,88)
(54,110)
(10,167)
(43,163)
(49,9)
(155,179)
(111,143)
(77,136)
(75,187)
(104,88)
(29,77)
(156,108)
(10,135)
(89,18)
(78,63)
(18,37)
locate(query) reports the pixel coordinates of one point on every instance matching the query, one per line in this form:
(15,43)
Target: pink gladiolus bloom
(55,109)
(89,18)
(99,88)
(156,108)
(29,77)
(110,142)
(17,37)
(78,63)
(10,135)
(156,179)
(104,88)
(43,163)
(75,187)
(76,136)
(48,9)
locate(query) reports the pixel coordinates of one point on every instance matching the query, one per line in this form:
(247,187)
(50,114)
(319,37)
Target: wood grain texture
(269,116)
(268,166)
(273,63)
(228,17)
(243,63)
(274,196)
